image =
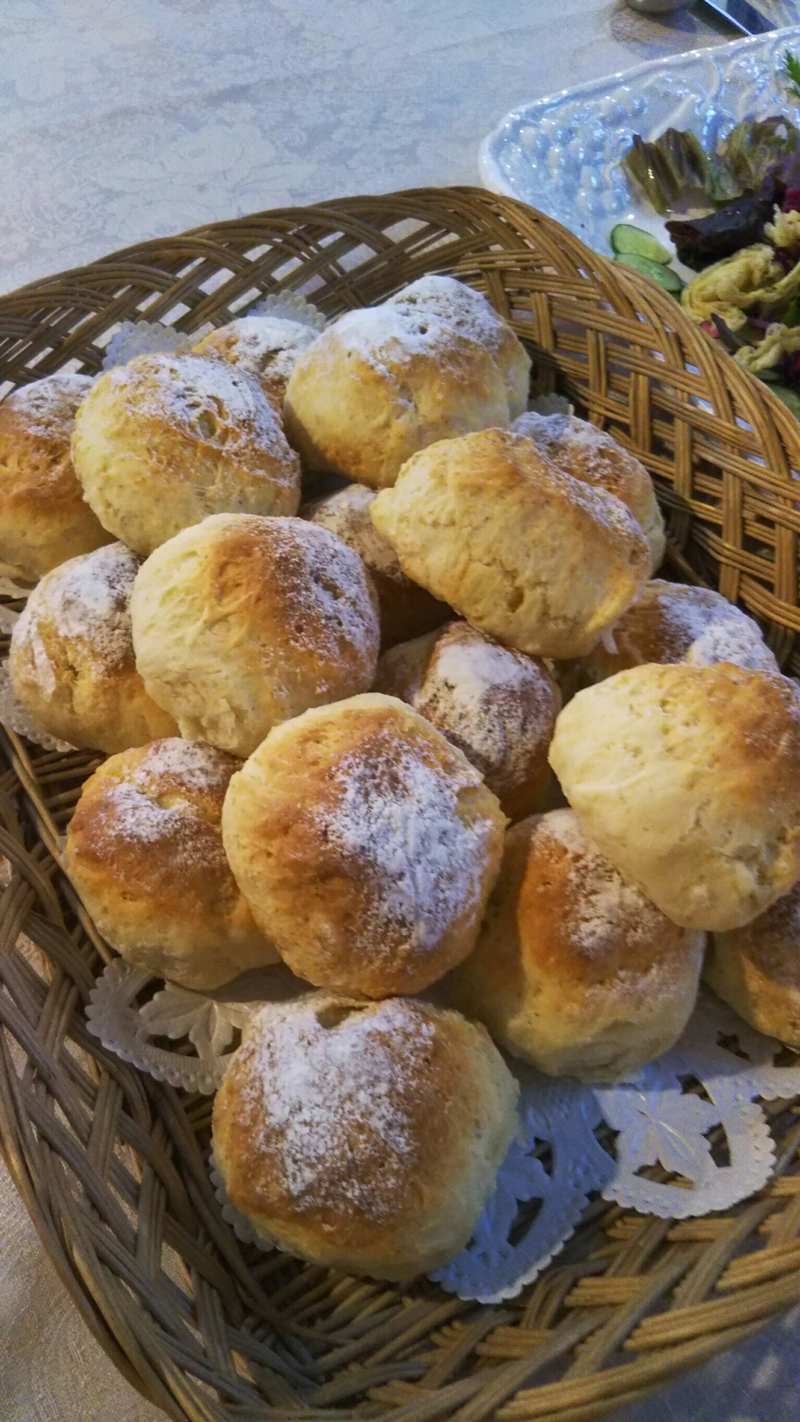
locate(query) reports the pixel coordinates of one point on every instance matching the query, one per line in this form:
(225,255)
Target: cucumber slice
(661,275)
(627,238)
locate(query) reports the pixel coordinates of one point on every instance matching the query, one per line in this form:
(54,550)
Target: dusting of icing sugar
(396,817)
(196,765)
(603,908)
(457,304)
(346,513)
(559,435)
(696,626)
(264,346)
(495,704)
(328,593)
(331,1106)
(85,600)
(47,407)
(130,814)
(732,640)
(388,336)
(713,630)
(209,400)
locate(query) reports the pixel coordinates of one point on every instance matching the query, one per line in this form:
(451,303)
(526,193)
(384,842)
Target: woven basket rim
(602,1322)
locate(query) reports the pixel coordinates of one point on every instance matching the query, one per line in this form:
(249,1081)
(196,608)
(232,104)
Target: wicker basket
(112,1165)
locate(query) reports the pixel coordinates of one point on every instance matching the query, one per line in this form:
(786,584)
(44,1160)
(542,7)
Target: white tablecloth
(121,121)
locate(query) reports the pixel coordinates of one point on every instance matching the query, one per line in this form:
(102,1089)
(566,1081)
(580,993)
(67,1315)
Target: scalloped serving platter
(562,154)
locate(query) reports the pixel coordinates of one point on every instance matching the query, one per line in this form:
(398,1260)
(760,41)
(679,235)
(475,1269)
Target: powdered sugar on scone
(603,908)
(47,407)
(497,705)
(457,304)
(346,513)
(85,600)
(398,818)
(328,1091)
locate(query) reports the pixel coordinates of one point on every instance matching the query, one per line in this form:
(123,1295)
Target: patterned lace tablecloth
(126,121)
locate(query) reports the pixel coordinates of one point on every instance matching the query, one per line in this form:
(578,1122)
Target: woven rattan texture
(111,1164)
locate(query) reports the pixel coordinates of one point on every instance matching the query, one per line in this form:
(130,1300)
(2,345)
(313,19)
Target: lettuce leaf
(676,164)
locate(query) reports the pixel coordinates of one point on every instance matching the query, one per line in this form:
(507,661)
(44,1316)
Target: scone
(575,970)
(43,517)
(688,778)
(242,622)
(266,347)
(466,309)
(383,382)
(673,622)
(144,850)
(498,706)
(406,610)
(365,1137)
(532,556)
(366,846)
(756,970)
(71,659)
(589,454)
(161,443)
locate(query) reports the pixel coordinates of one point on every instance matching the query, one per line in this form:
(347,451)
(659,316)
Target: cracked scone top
(365,844)
(364,1136)
(165,441)
(527,553)
(688,778)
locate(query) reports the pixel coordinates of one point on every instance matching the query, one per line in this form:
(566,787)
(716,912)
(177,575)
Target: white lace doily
(682,1137)
(17,718)
(292,307)
(138,338)
(136,1014)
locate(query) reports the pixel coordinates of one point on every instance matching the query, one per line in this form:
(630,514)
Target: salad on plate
(734,218)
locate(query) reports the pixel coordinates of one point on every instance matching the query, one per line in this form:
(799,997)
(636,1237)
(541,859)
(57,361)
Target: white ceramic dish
(562,154)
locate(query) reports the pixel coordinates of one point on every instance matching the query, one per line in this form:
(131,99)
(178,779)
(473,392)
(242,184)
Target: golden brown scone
(466,309)
(406,610)
(532,556)
(71,658)
(144,850)
(499,707)
(242,622)
(575,970)
(385,381)
(589,454)
(43,517)
(366,846)
(673,622)
(161,443)
(266,347)
(688,778)
(756,970)
(364,1136)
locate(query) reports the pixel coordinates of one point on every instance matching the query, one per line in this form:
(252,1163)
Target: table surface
(122,122)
